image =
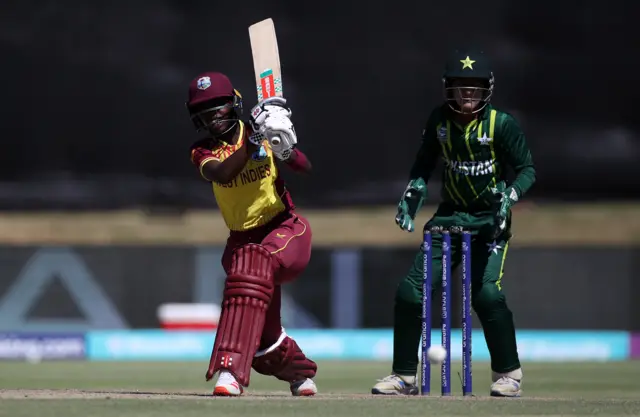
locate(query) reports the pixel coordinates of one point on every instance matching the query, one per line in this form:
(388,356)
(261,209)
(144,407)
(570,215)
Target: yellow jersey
(256,195)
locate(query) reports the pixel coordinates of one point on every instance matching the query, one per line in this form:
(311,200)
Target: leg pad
(247,294)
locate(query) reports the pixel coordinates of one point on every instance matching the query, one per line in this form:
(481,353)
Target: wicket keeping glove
(412,199)
(505,198)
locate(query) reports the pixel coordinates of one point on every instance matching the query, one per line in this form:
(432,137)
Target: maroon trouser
(288,238)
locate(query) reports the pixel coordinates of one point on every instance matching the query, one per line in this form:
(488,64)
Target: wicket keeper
(269,244)
(478,144)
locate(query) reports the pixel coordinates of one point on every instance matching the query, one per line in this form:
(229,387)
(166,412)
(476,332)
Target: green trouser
(487,299)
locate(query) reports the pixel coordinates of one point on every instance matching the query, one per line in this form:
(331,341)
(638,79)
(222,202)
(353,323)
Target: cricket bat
(266,61)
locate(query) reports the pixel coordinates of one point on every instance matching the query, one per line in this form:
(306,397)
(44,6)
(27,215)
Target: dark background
(93,93)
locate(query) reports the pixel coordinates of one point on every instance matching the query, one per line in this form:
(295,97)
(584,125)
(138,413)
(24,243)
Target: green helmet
(467,81)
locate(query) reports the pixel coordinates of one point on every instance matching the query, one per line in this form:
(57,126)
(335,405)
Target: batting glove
(281,135)
(271,106)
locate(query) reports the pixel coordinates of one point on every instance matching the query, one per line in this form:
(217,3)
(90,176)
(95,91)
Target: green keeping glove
(505,198)
(412,199)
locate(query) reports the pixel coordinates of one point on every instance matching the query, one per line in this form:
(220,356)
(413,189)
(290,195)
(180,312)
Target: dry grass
(592,224)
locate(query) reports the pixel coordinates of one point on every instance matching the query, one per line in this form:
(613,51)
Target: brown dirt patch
(69,394)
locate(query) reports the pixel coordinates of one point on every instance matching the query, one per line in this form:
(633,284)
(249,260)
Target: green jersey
(475,156)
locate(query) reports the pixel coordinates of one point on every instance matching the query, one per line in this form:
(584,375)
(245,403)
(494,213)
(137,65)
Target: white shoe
(304,388)
(227,386)
(396,385)
(506,385)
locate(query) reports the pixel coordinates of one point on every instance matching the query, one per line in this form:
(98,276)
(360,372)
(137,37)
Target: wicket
(446,309)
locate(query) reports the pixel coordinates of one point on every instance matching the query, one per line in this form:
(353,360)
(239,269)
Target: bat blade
(266,62)
(266,59)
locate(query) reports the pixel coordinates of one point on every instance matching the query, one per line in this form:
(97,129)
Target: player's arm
(513,150)
(212,169)
(516,153)
(416,191)
(298,161)
(427,156)
(424,163)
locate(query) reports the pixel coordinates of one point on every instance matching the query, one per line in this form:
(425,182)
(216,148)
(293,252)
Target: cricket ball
(436,354)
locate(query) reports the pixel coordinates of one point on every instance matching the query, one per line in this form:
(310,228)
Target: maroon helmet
(213,103)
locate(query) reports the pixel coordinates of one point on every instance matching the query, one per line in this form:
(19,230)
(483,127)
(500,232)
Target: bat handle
(275,140)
